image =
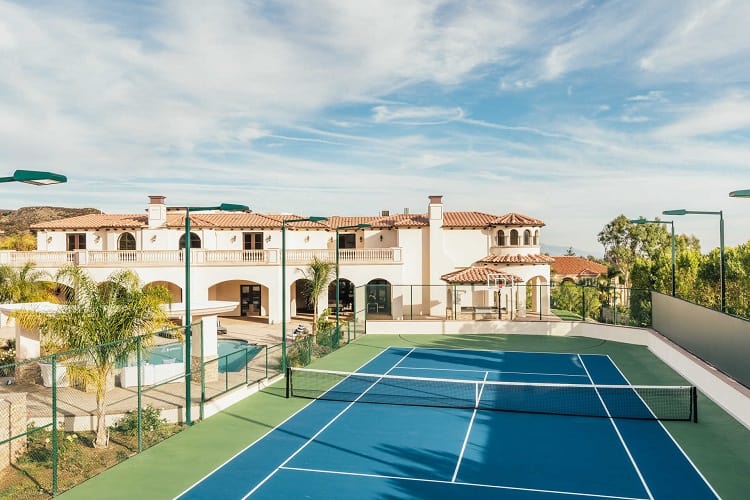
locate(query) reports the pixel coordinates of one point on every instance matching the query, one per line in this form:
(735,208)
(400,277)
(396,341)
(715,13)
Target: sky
(573,112)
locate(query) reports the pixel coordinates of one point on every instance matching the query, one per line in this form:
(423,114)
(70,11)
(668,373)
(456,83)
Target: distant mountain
(562,250)
(18,221)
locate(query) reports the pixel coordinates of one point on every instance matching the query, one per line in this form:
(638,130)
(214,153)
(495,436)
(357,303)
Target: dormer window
(501,238)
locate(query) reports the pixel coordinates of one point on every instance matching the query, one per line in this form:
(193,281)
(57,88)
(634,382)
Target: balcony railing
(199,257)
(347,255)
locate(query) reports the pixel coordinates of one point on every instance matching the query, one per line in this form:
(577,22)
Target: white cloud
(724,115)
(416,114)
(634,119)
(651,96)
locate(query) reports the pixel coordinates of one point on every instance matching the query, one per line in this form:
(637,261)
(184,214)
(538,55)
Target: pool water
(232,354)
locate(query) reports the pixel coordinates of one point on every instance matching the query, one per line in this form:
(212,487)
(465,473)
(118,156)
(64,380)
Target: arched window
(514,238)
(126,242)
(527,238)
(195,241)
(536,238)
(501,238)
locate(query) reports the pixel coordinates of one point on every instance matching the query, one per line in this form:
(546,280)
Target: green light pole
(338,306)
(225,207)
(284,222)
(722,264)
(671,223)
(38,178)
(35,177)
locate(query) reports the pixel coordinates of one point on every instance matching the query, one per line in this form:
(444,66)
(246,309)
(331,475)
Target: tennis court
(572,428)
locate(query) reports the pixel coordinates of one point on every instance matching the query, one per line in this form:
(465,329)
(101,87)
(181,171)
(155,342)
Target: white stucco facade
(415,263)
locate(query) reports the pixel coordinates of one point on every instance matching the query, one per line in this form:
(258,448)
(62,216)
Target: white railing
(347,255)
(135,258)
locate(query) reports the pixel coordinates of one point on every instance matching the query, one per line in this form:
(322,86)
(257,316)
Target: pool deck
(76,403)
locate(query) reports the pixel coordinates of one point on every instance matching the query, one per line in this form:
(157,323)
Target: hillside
(18,221)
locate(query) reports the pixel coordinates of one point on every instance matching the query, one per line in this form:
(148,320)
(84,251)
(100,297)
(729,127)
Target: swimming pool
(232,354)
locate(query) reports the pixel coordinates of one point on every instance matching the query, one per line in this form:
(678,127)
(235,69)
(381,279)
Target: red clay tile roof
(514,219)
(517,259)
(96,221)
(476,274)
(231,220)
(570,265)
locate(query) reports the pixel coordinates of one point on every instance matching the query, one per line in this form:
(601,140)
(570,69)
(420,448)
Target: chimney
(435,210)
(157,212)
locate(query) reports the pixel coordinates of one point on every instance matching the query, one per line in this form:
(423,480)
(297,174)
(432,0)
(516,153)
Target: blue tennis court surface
(346,449)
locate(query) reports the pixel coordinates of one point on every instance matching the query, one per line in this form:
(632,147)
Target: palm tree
(319,273)
(101,322)
(24,284)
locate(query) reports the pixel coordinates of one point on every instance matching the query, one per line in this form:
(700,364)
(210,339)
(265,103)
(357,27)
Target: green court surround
(718,445)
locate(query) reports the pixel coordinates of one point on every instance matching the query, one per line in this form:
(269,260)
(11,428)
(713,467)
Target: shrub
(39,448)
(151,422)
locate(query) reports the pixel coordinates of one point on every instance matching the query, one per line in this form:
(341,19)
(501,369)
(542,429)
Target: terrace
(198,257)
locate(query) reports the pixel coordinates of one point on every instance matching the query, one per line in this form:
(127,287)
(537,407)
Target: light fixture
(268,238)
(307,238)
(233,238)
(34,177)
(49,239)
(381,237)
(153,238)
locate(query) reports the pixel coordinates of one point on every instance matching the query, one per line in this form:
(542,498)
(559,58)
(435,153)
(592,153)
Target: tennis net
(616,401)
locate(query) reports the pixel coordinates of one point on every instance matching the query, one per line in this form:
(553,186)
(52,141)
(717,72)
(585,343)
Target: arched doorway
(195,241)
(301,303)
(379,297)
(346,295)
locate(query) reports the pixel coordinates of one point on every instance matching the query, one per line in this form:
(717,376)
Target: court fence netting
(609,401)
(49,407)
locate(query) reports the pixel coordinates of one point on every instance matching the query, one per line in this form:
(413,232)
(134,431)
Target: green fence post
(266,347)
(138,385)
(583,302)
(614,304)
(247,369)
(54,425)
(203,375)
(411,301)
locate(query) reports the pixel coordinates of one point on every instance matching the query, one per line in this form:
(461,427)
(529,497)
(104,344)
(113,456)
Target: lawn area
(566,315)
(718,445)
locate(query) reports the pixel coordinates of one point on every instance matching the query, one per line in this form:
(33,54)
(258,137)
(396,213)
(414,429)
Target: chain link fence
(58,409)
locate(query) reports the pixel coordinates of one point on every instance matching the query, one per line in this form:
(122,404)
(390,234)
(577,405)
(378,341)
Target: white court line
(614,425)
(468,431)
(477,485)
(493,371)
(459,349)
(327,425)
(667,432)
(267,433)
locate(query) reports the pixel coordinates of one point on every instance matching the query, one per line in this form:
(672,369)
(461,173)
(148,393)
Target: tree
(24,284)
(319,273)
(22,242)
(102,322)
(569,252)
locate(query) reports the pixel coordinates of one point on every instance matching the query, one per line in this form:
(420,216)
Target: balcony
(198,257)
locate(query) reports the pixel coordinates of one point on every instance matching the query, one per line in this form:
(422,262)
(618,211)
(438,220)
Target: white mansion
(464,257)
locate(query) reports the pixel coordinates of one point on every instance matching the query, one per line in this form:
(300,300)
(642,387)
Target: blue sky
(572,112)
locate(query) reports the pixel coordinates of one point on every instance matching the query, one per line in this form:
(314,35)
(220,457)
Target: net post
(288,381)
(694,403)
